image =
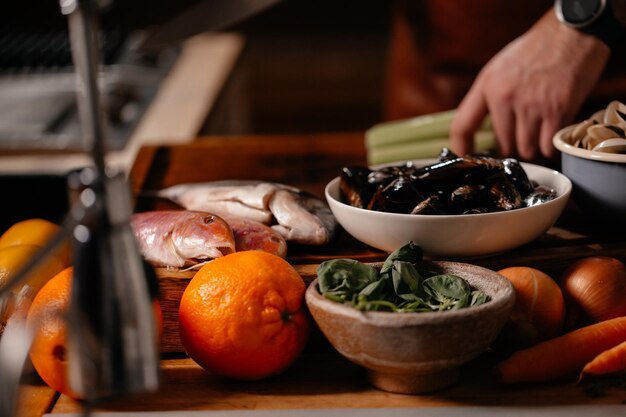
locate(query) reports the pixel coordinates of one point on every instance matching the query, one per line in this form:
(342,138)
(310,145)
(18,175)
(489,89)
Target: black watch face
(580,11)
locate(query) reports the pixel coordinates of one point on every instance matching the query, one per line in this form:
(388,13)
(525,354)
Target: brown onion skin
(595,290)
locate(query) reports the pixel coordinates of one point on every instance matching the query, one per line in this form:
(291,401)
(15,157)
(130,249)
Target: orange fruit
(47,313)
(242,315)
(539,310)
(36,232)
(13,258)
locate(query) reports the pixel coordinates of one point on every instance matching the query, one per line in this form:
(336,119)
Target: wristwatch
(595,17)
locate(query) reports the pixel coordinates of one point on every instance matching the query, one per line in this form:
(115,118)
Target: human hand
(531,88)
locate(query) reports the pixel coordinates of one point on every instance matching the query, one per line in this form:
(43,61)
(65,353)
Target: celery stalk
(484,140)
(422,127)
(429,126)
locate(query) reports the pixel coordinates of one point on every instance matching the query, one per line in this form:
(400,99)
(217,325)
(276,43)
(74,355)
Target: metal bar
(83,25)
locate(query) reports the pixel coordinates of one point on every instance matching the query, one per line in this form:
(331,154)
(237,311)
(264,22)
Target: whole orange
(47,314)
(13,258)
(36,232)
(242,315)
(539,310)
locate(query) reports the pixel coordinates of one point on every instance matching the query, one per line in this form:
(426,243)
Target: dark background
(306,66)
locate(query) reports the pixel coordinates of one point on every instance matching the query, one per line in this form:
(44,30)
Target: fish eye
(208,220)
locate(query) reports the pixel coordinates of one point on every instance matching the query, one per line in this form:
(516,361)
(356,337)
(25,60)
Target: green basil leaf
(345,275)
(478,297)
(461,302)
(374,290)
(440,287)
(408,253)
(406,281)
(414,306)
(380,305)
(404,284)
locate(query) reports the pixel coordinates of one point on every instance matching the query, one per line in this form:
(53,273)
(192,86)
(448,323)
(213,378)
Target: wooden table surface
(321,378)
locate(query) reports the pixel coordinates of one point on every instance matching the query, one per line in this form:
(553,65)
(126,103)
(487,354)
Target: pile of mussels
(454,185)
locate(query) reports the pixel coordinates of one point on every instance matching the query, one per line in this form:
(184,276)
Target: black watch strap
(605,27)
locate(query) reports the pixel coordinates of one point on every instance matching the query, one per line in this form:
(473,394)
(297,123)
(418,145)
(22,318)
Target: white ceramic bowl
(455,236)
(599,179)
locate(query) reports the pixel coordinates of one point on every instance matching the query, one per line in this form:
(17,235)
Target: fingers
(527,135)
(549,128)
(522,130)
(503,121)
(467,120)
(470,115)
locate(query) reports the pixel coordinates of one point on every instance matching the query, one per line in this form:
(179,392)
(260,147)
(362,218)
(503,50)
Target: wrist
(570,38)
(570,46)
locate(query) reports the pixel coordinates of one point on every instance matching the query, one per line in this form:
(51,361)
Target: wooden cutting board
(309,162)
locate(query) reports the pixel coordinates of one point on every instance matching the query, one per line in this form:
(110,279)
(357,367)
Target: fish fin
(196,266)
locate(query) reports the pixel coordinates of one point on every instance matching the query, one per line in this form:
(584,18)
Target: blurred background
(304,66)
(308,66)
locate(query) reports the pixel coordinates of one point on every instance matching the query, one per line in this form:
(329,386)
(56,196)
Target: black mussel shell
(469,196)
(516,174)
(435,204)
(447,155)
(454,173)
(455,185)
(354,187)
(505,195)
(383,176)
(541,194)
(399,196)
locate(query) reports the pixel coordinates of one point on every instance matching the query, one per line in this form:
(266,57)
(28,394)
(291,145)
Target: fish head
(205,236)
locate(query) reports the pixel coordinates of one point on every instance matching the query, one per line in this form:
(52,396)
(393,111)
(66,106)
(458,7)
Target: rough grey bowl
(413,353)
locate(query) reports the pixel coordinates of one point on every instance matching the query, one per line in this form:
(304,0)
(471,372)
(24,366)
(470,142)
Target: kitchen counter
(175,116)
(321,379)
(327,380)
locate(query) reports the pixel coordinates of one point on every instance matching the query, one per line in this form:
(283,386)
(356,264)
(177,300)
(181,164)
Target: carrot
(611,360)
(564,355)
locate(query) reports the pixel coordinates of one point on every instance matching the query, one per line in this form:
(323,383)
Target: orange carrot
(565,355)
(611,360)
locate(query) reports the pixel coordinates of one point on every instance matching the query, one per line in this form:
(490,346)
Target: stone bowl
(415,353)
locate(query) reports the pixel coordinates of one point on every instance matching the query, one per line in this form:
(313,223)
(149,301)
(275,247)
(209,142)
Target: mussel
(435,204)
(541,194)
(453,185)
(354,188)
(505,195)
(516,174)
(398,196)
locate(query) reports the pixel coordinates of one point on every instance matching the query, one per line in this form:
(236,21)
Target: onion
(595,290)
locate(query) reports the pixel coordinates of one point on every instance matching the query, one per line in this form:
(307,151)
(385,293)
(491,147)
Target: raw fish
(252,235)
(302,218)
(182,238)
(247,199)
(298,217)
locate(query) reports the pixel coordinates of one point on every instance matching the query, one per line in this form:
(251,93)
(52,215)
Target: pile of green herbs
(403,284)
